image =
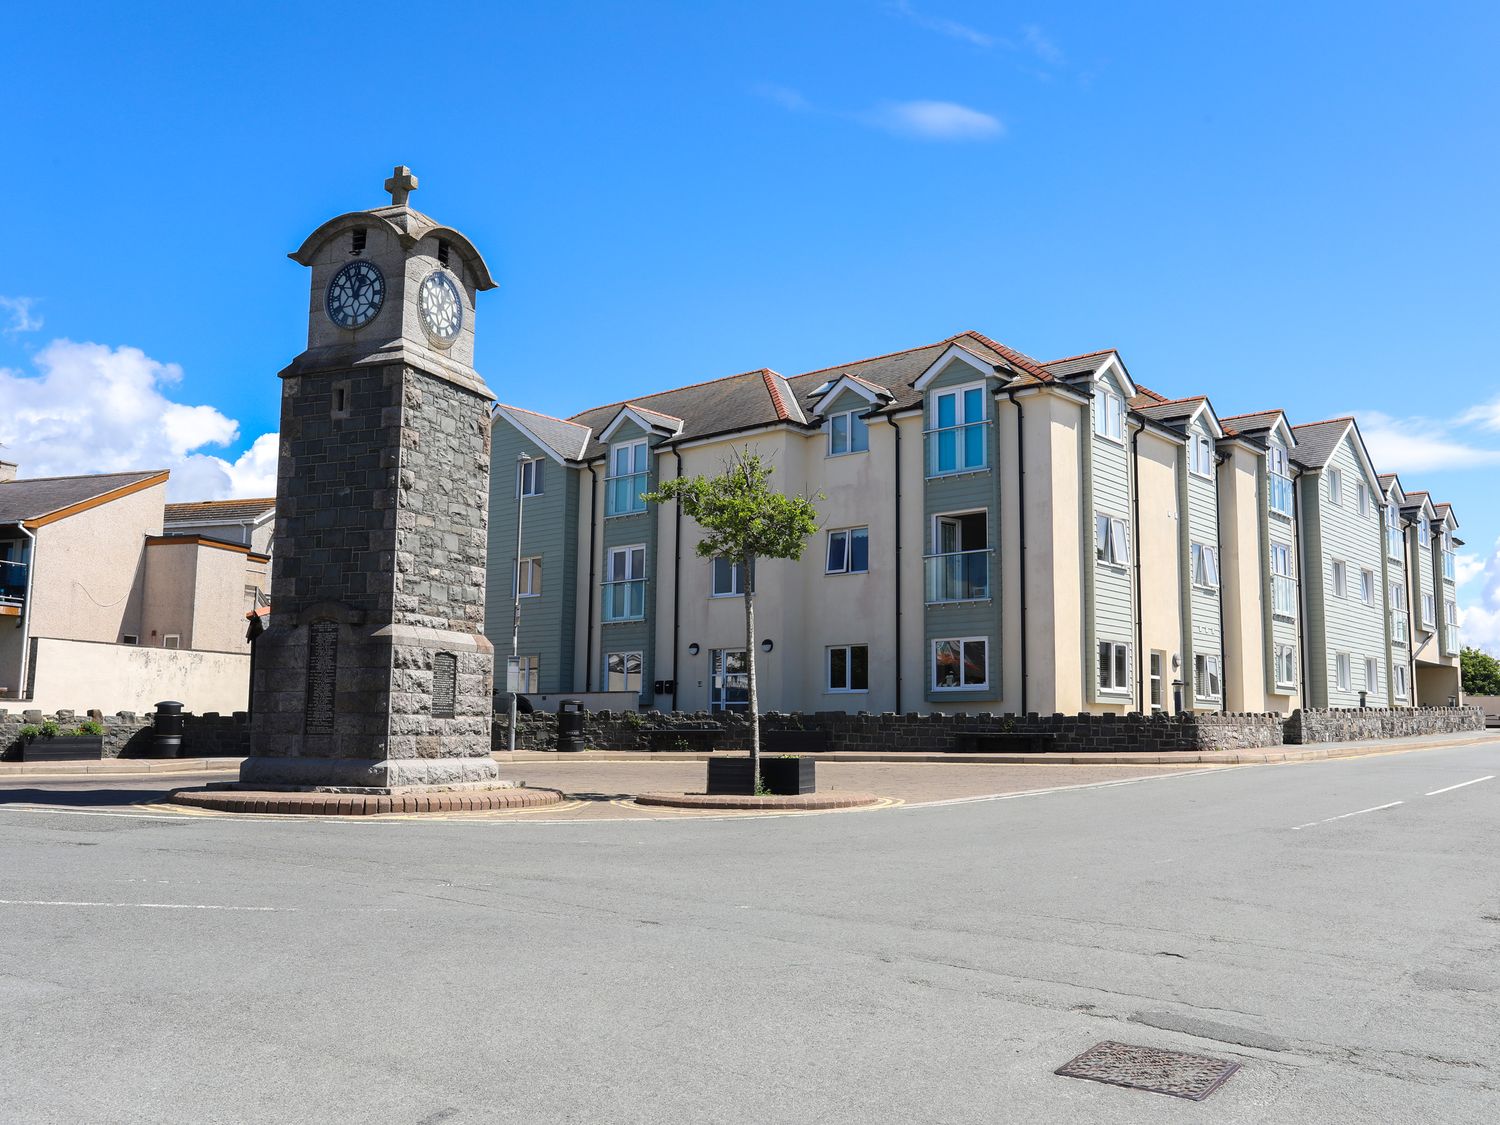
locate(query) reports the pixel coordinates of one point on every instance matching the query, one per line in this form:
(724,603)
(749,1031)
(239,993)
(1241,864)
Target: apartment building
(1001,534)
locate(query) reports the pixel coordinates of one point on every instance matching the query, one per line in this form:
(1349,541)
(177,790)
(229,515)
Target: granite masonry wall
(130,735)
(1351,724)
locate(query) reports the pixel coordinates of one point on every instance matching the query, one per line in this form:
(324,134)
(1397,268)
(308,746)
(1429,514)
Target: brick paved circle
(351,804)
(800,801)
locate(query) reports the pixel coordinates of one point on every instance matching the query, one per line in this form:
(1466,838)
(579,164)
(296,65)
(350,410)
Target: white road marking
(1345,816)
(1460,785)
(1066,788)
(138,905)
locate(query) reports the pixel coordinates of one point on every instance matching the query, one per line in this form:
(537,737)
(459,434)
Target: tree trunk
(750,671)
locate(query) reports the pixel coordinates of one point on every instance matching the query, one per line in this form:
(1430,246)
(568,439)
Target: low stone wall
(932,733)
(130,735)
(1353,724)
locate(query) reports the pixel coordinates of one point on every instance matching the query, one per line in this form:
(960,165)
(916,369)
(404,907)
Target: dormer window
(956,440)
(1281,480)
(1201,456)
(1109,414)
(1424,534)
(627,478)
(847,433)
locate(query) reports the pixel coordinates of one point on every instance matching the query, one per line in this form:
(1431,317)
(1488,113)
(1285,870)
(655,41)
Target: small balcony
(959,576)
(12,586)
(1400,627)
(624,601)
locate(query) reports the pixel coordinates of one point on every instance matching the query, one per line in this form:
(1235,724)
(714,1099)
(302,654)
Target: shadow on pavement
(83,798)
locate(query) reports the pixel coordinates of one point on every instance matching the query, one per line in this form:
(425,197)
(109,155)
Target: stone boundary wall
(129,735)
(933,733)
(1351,724)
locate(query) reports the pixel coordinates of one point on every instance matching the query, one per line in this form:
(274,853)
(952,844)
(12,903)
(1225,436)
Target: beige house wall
(1159,542)
(1241,570)
(84,675)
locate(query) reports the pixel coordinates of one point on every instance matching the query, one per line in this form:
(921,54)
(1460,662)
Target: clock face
(355,295)
(441,307)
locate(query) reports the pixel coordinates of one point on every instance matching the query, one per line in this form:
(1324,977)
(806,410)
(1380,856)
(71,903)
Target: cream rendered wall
(84,675)
(1007,540)
(170,582)
(914,656)
(89,569)
(1246,667)
(219,600)
(1159,541)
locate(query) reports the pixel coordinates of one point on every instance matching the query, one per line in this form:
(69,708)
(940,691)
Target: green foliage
(1481,672)
(89,726)
(30,730)
(742,516)
(50,728)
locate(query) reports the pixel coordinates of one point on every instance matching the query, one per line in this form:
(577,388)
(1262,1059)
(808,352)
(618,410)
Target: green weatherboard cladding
(1111,612)
(634,529)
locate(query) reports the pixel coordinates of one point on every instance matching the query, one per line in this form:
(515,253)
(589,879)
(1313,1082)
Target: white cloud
(1486,415)
(21,317)
(1400,445)
(91,408)
(1480,619)
(1040,46)
(935,121)
(943,26)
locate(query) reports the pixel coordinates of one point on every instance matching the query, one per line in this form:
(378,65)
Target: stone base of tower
(354,775)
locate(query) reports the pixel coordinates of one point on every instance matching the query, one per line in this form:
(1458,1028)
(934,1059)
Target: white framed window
(1398,677)
(1400,623)
(1205,566)
(529,577)
(1281,480)
(1450,612)
(622,671)
(1364,499)
(847,433)
(130,639)
(1341,673)
(728,578)
(529,477)
(1283,583)
(957,438)
(848,551)
(960,663)
(1111,540)
(1208,676)
(1429,610)
(625,584)
(1340,578)
(848,668)
(1158,681)
(1200,456)
(729,684)
(1286,666)
(1424,533)
(1336,487)
(531,674)
(627,479)
(1372,674)
(1392,531)
(1367,587)
(171,640)
(1109,414)
(1448,570)
(1114,667)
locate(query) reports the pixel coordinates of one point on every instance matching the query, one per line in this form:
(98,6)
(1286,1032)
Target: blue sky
(1286,205)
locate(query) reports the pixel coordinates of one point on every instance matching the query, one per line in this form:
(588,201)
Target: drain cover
(1146,1068)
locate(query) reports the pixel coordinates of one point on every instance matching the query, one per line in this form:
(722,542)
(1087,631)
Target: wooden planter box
(784,776)
(1001,743)
(65,748)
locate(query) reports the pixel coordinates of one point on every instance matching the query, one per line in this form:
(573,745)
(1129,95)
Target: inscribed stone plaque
(322,675)
(444,684)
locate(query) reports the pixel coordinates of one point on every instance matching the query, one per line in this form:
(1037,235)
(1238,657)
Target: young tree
(744,520)
(1481,672)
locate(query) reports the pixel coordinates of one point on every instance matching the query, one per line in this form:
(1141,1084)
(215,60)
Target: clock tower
(374,672)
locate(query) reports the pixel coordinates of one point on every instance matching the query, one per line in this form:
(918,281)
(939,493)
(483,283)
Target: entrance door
(730,687)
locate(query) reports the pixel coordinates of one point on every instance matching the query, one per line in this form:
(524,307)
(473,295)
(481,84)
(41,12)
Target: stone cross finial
(401,184)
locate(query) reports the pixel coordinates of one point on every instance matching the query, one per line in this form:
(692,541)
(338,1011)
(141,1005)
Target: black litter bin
(570,715)
(166,741)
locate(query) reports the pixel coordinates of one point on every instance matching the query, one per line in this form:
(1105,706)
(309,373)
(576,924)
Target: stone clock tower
(374,672)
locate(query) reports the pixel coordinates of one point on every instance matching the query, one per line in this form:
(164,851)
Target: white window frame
(130,638)
(624,672)
(1208,667)
(961,422)
(1201,457)
(610,580)
(1111,540)
(1363,491)
(1372,675)
(849,687)
(1393,537)
(1157,667)
(1429,610)
(1206,559)
(1283,579)
(630,448)
(1278,466)
(932,663)
(736,578)
(1450,612)
(531,673)
(1367,585)
(1343,677)
(853,423)
(1336,487)
(1424,533)
(1287,653)
(171,640)
(847,536)
(529,478)
(1340,578)
(1107,659)
(1109,414)
(1398,676)
(528,582)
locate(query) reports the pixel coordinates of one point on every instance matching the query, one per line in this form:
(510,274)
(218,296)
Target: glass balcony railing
(623,494)
(1400,627)
(12,583)
(625,601)
(957,449)
(961,576)
(1284,596)
(1281,494)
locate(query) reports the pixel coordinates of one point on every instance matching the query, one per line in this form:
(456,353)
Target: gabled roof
(1258,423)
(1418,505)
(1085,364)
(221,511)
(43,500)
(1180,413)
(1444,512)
(873,394)
(561,440)
(1317,441)
(652,421)
(1390,487)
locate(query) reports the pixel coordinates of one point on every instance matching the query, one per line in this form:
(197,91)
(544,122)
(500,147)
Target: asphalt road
(919,964)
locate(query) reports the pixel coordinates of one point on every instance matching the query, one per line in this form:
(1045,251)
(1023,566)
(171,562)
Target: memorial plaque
(444,684)
(322,675)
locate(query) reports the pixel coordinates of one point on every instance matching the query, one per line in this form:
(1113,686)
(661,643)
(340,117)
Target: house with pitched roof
(1001,534)
(101,607)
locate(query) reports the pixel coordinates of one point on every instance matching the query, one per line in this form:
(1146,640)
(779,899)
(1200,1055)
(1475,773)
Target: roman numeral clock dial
(355,295)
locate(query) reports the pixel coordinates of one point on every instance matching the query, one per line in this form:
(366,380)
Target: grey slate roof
(563,438)
(39,496)
(1255,423)
(1316,441)
(1078,364)
(1177,411)
(219,511)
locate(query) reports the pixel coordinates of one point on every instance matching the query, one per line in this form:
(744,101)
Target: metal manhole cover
(1147,1068)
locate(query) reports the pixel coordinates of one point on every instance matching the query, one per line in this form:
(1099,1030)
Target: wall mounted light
(766,645)
(693,649)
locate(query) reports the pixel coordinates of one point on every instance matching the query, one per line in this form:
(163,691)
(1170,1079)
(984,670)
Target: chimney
(7,471)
